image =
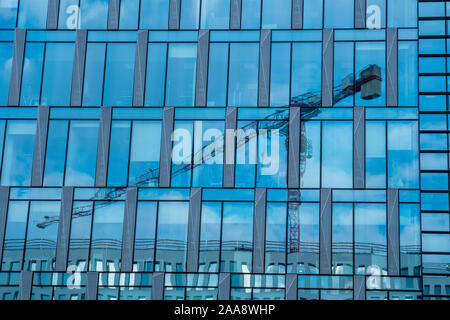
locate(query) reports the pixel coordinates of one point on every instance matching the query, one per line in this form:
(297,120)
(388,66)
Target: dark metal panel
(327,67)
(230,153)
(359,143)
(325,231)
(359,287)
(166,147)
(92,286)
(17,67)
(65,221)
(235,14)
(297,14)
(25,284)
(4,195)
(391,67)
(193,244)
(40,145)
(393,230)
(140,68)
(259,230)
(52,14)
(224,286)
(294,148)
(129,230)
(291,286)
(360,14)
(265,46)
(158,286)
(113,14)
(174,14)
(103,146)
(202,68)
(78,68)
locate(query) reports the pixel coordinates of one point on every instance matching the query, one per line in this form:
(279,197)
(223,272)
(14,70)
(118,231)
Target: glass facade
(224,149)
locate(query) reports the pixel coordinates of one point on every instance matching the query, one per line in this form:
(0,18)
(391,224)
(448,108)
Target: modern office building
(224,149)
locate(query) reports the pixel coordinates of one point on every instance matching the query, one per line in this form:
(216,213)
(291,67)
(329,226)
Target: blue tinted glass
(343,73)
(402,13)
(5,71)
(215,14)
(18,152)
(32,74)
(118,154)
(145,152)
(144,247)
(57,80)
(375,154)
(69,14)
(129,14)
(310,154)
(376,14)
(181,72)
(339,13)
(94,14)
(190,14)
(8,14)
(337,156)
(312,16)
(210,237)
(276,14)
(182,153)
(251,14)
(156,74)
(154,14)
(93,76)
(14,241)
(275,248)
(436,242)
(56,153)
(280,74)
(342,236)
(80,236)
(410,258)
(33,14)
(243,75)
(217,75)
(119,74)
(80,171)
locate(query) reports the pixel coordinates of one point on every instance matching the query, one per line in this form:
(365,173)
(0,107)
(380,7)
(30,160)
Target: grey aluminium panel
(103,146)
(113,14)
(235,14)
(359,287)
(294,148)
(230,153)
(40,145)
(327,67)
(265,46)
(297,14)
(291,286)
(78,68)
(224,286)
(202,68)
(325,231)
(360,14)
(25,284)
(65,220)
(129,230)
(92,286)
(4,195)
(193,244)
(140,68)
(393,232)
(165,164)
(391,67)
(259,230)
(174,14)
(158,286)
(52,14)
(17,67)
(359,143)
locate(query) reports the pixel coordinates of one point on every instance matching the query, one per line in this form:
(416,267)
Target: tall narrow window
(6,51)
(119,153)
(342,236)
(32,14)
(144,250)
(8,14)
(94,73)
(218,74)
(56,153)
(215,14)
(276,14)
(32,74)
(210,237)
(154,14)
(280,74)
(275,249)
(190,14)
(156,74)
(375,154)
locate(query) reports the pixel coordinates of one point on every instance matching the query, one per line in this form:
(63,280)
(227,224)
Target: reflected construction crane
(368,83)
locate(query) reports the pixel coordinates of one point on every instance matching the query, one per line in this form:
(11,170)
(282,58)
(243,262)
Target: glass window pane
(18,152)
(80,236)
(375,154)
(276,14)
(343,73)
(8,14)
(93,76)
(310,154)
(57,80)
(217,75)
(402,13)
(32,14)
(215,14)
(342,236)
(69,14)
(83,137)
(339,13)
(181,72)
(156,74)
(251,14)
(280,74)
(275,249)
(119,74)
(6,52)
(182,154)
(56,153)
(246,154)
(154,14)
(129,14)
(407,71)
(243,76)
(376,14)
(119,153)
(32,74)
(190,14)
(312,14)
(94,14)
(410,257)
(144,247)
(210,236)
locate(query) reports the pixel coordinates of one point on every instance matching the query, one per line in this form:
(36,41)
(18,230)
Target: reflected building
(225,149)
